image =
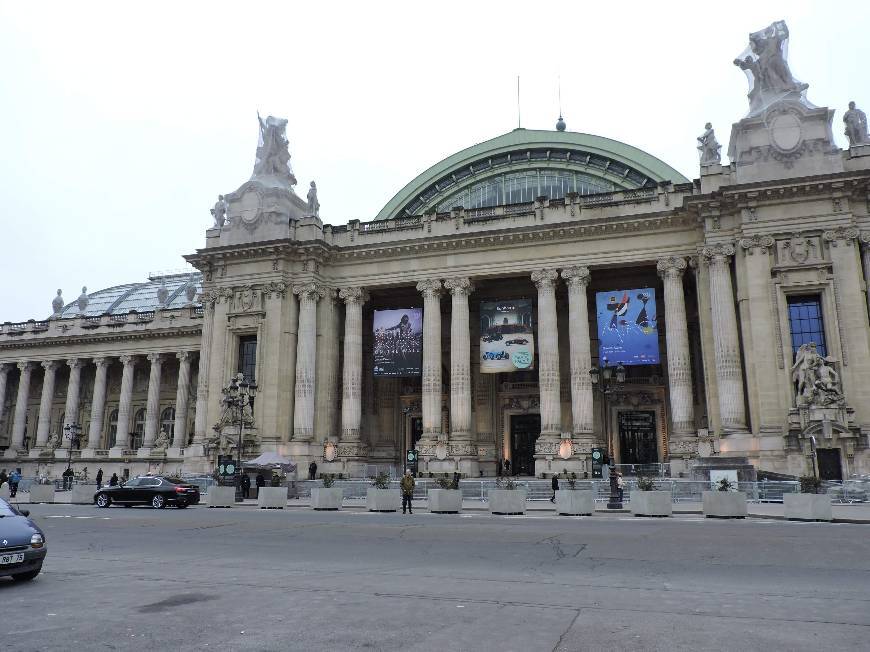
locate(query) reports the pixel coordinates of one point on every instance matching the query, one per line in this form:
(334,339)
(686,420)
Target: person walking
(246,484)
(312,471)
(507,467)
(620,485)
(14,479)
(99,478)
(260,481)
(113,481)
(407,491)
(555,485)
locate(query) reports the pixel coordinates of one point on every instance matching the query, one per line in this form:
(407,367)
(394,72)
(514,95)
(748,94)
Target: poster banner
(398,349)
(507,341)
(627,331)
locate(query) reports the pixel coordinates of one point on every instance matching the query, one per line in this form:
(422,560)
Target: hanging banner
(398,348)
(627,331)
(507,341)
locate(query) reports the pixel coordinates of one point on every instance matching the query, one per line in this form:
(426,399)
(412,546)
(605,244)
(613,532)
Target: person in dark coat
(113,481)
(99,478)
(555,485)
(312,471)
(507,467)
(260,481)
(246,484)
(3,477)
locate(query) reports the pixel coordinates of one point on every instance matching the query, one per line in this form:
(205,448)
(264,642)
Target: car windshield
(6,509)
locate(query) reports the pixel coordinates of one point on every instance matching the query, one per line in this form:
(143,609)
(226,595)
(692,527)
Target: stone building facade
(760,269)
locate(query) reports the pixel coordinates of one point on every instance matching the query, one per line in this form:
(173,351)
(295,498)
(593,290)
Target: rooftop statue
(219,212)
(273,157)
(709,146)
(57,303)
(313,203)
(83,300)
(856,126)
(767,69)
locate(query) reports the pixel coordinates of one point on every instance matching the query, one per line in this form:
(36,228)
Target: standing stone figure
(162,293)
(816,381)
(856,125)
(770,75)
(313,204)
(57,303)
(219,212)
(709,146)
(83,300)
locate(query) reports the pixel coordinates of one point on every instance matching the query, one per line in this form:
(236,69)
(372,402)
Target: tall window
(248,356)
(167,421)
(807,325)
(113,429)
(138,429)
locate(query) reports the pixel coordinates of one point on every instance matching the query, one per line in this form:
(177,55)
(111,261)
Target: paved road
(248,579)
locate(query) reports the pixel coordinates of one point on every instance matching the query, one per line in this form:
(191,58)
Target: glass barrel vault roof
(140,297)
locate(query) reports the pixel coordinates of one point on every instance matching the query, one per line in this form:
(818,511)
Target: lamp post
(238,395)
(71,432)
(606,380)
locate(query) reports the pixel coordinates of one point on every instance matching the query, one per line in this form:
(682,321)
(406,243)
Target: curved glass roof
(140,297)
(523,164)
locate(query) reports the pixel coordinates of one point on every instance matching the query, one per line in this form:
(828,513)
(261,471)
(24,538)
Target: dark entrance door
(416,430)
(525,429)
(829,463)
(637,438)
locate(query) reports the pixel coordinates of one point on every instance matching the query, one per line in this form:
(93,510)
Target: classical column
(326,367)
(671,270)
(548,355)
(19,421)
(726,344)
(152,407)
(71,412)
(98,402)
(351,379)
(460,361)
(179,439)
(431,381)
(44,423)
(577,279)
(201,417)
(306,359)
(4,377)
(122,438)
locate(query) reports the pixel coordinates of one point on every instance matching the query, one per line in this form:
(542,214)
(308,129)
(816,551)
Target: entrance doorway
(525,429)
(637,437)
(829,463)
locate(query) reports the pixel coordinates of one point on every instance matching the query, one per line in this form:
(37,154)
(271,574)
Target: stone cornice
(66,340)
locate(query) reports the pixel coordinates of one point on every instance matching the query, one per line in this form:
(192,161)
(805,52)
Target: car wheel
(158,502)
(26,577)
(103,500)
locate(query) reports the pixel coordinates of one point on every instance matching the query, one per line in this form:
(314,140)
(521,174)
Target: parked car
(519,340)
(153,490)
(22,544)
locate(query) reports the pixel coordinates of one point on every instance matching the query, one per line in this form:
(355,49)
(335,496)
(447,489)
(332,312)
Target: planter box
(445,501)
(83,494)
(42,493)
(326,498)
(272,498)
(218,496)
(724,504)
(574,503)
(507,501)
(651,503)
(808,507)
(383,500)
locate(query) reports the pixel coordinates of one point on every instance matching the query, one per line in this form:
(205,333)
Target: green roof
(621,164)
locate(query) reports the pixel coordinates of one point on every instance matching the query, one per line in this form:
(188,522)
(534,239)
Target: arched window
(167,421)
(112,438)
(138,429)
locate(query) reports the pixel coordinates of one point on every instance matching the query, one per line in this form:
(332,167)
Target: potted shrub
(327,497)
(649,501)
(447,498)
(573,501)
(810,504)
(380,498)
(725,502)
(507,497)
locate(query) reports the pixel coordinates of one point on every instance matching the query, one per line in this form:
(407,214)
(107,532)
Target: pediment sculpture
(816,381)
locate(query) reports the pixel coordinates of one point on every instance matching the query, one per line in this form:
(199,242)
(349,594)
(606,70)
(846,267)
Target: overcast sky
(120,124)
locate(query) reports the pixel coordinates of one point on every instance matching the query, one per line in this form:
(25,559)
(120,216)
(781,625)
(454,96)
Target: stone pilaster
(577,279)
(44,423)
(431,380)
(71,412)
(182,396)
(306,359)
(201,417)
(152,407)
(548,358)
(671,269)
(4,377)
(327,368)
(19,421)
(726,344)
(351,386)
(122,439)
(98,402)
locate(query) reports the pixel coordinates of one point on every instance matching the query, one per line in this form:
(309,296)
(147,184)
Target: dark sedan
(151,490)
(22,544)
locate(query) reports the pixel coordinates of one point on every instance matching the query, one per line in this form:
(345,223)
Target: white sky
(121,123)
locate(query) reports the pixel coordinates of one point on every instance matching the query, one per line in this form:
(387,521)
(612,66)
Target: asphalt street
(250,579)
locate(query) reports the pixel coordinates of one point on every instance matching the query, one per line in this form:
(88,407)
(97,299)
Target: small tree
(724,484)
(380,481)
(810,484)
(328,479)
(572,481)
(447,483)
(645,483)
(506,483)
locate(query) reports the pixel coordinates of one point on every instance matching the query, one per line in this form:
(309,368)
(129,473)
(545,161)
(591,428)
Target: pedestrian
(3,477)
(14,479)
(113,481)
(555,485)
(246,484)
(67,479)
(99,478)
(312,471)
(260,482)
(620,485)
(507,467)
(407,491)
(456,478)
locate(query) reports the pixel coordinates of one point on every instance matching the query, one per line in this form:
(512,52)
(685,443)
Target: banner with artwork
(627,330)
(398,342)
(507,341)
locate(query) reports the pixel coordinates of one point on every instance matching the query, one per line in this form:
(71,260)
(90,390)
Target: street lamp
(238,395)
(71,432)
(606,380)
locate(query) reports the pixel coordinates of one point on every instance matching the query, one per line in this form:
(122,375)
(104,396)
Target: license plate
(14,558)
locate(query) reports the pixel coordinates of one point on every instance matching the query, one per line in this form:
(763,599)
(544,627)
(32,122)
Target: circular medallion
(521,359)
(441,451)
(329,452)
(565,449)
(785,132)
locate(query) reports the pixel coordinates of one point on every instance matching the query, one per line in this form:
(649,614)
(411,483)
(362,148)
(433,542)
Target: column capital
(431,288)
(577,276)
(353,295)
(24,365)
(49,365)
(309,291)
(671,266)
(761,242)
(459,286)
(275,289)
(184,356)
(128,360)
(100,362)
(155,358)
(544,278)
(4,368)
(74,363)
(718,253)
(846,234)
